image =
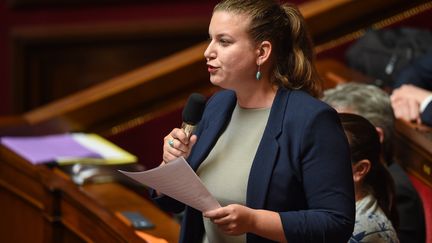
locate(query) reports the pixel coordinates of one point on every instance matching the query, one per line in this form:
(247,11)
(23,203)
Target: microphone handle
(188,129)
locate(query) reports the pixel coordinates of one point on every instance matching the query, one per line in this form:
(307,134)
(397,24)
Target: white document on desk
(176,179)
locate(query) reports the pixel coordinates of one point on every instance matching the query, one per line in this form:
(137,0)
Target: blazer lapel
(265,158)
(216,125)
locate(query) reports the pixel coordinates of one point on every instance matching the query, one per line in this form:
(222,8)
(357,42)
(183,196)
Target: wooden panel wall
(50,63)
(40,30)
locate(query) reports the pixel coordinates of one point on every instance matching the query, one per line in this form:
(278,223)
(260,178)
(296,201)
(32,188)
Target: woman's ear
(360,170)
(263,52)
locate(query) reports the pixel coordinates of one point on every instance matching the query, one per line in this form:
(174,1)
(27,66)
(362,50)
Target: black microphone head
(194,109)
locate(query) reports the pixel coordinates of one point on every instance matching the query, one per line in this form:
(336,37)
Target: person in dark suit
(275,157)
(412,95)
(374,104)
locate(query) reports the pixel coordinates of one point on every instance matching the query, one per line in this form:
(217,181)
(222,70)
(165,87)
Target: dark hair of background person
(365,144)
(284,26)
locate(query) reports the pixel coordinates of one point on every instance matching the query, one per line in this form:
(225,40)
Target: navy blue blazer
(302,169)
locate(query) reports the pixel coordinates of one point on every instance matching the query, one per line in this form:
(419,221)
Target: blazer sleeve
(166,203)
(426,115)
(419,73)
(327,183)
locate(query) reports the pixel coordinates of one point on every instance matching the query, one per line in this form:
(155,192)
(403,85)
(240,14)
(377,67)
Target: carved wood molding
(379,24)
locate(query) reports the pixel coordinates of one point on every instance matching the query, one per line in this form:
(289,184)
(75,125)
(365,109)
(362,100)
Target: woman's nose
(209,52)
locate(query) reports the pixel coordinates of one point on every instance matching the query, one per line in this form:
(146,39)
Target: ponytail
(299,66)
(382,187)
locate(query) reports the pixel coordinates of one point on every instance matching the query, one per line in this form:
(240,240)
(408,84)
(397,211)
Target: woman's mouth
(211,69)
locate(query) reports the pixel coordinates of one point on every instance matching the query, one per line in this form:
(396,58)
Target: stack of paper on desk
(68,148)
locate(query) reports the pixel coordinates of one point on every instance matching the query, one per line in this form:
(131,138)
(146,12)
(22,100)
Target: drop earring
(258,73)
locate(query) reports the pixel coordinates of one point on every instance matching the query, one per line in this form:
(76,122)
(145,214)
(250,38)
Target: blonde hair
(284,26)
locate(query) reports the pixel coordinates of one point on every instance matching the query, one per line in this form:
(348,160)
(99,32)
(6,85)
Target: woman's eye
(224,42)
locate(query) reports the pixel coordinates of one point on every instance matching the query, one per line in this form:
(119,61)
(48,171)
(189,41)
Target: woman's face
(231,55)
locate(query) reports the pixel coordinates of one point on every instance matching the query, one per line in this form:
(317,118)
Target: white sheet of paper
(176,179)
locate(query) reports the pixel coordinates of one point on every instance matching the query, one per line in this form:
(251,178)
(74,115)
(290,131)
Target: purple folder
(45,149)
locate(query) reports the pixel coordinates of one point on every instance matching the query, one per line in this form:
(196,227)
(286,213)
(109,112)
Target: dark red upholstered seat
(425,193)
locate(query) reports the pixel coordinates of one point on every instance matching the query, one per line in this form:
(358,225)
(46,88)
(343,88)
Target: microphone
(192,112)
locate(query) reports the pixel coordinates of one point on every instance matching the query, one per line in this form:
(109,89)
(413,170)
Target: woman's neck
(360,192)
(261,97)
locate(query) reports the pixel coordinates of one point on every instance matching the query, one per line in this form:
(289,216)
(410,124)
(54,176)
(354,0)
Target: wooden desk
(413,149)
(41,204)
